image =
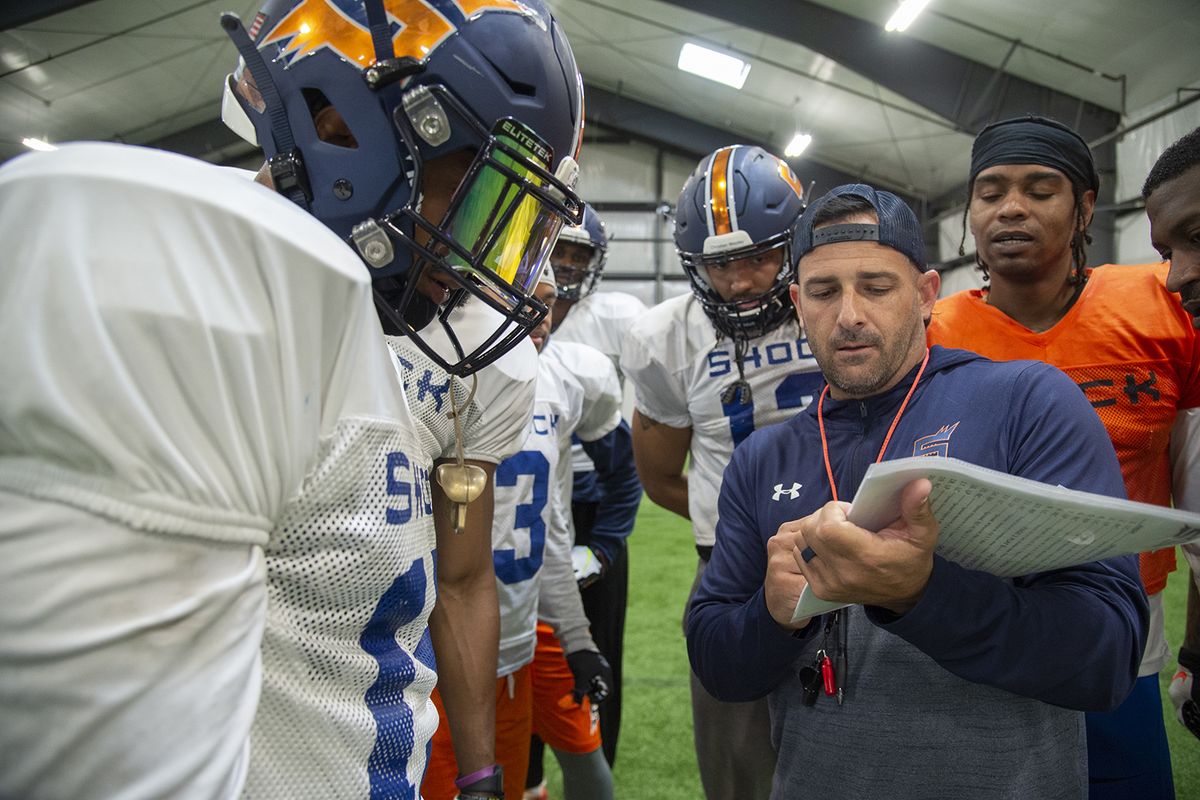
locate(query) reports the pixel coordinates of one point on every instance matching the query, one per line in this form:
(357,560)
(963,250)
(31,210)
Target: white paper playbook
(1011,526)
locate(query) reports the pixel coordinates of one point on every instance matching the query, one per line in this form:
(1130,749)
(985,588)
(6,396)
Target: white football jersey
(682,375)
(495,422)
(601,320)
(593,395)
(531,535)
(205,450)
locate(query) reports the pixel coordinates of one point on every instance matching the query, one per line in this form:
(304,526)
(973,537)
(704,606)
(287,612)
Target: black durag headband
(1035,140)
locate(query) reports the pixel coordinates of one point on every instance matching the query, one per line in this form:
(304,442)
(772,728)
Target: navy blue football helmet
(492,83)
(577,280)
(741,202)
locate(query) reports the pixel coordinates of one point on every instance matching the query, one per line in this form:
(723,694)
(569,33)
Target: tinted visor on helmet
(494,239)
(505,217)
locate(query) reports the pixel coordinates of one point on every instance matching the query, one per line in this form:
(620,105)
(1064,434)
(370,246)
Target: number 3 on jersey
(509,568)
(795,391)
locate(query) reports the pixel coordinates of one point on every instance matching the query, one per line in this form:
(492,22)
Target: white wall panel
(612,172)
(640,242)
(1136,154)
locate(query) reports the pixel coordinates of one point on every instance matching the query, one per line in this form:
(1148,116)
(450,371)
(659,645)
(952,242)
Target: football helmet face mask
(415,82)
(577,280)
(741,202)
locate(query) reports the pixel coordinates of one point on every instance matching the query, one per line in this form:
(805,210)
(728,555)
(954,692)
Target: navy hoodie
(977,653)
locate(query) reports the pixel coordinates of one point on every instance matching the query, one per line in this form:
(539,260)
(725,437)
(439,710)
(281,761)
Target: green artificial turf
(1185,748)
(655,760)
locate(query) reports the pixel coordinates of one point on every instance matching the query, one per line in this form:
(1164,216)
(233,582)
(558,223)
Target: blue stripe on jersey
(402,603)
(794,391)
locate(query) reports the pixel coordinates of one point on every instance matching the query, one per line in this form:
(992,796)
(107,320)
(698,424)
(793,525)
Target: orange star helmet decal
(316,24)
(790,178)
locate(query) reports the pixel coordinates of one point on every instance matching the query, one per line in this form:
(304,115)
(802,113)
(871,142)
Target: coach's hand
(593,675)
(784,580)
(888,568)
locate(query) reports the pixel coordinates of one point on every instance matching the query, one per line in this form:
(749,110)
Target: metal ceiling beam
(678,134)
(688,137)
(27,12)
(966,92)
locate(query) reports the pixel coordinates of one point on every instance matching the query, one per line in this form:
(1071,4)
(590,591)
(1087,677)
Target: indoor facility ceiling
(898,109)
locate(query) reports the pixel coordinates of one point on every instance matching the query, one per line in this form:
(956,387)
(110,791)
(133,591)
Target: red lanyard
(886,439)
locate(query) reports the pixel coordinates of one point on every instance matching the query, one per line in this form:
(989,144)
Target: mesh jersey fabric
(591,395)
(1129,346)
(208,367)
(601,320)
(347,658)
(680,371)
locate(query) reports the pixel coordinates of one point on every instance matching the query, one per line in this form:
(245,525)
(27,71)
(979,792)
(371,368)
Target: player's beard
(862,381)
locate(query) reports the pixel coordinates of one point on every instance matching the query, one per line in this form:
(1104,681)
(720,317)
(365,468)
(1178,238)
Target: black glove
(593,675)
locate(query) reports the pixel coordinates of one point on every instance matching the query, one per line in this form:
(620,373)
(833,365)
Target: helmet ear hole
(330,124)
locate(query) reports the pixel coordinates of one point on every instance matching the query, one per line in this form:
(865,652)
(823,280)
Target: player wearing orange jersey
(1118,333)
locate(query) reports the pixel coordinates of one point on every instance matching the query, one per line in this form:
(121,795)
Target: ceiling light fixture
(715,66)
(905,14)
(37,144)
(797,145)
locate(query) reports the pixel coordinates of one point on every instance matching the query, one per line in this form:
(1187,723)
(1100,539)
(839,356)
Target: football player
(602,515)
(1124,339)
(212,458)
(709,368)
(532,556)
(1172,195)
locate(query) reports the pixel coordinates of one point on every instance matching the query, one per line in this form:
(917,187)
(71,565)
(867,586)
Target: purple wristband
(478,775)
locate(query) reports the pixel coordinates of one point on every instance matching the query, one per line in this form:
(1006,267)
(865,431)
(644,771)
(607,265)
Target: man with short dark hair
(958,683)
(1172,194)
(1119,333)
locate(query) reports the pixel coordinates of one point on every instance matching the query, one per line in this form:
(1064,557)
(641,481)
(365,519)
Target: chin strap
(287,165)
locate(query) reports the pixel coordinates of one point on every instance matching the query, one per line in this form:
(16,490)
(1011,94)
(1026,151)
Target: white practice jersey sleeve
(525,554)
(1185,478)
(601,321)
(654,365)
(184,351)
(496,421)
(681,372)
(591,410)
(591,385)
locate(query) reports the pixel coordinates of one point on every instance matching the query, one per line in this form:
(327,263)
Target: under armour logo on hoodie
(792,493)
